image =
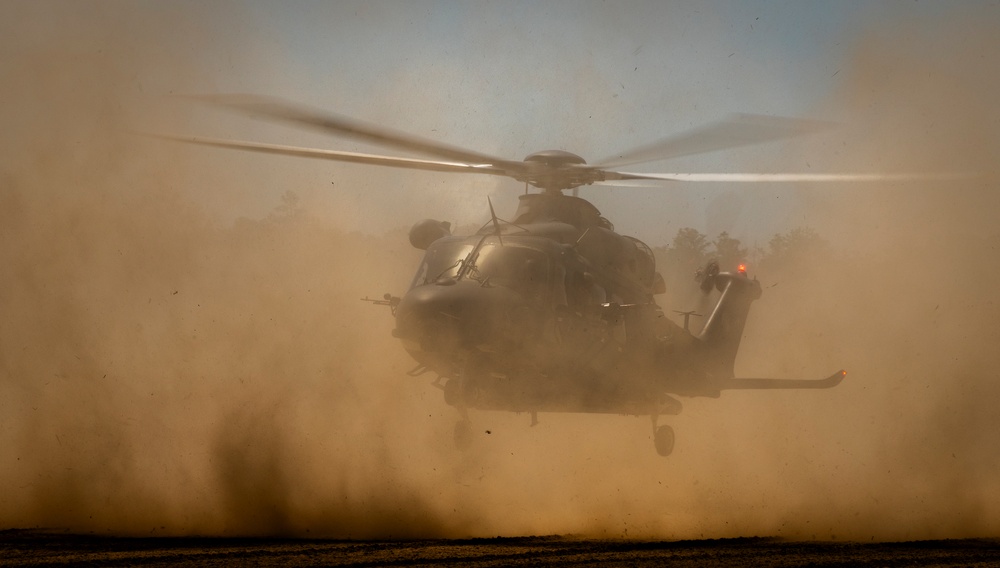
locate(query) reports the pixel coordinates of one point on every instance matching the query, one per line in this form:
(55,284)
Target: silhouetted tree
(678,262)
(728,251)
(689,247)
(291,206)
(800,245)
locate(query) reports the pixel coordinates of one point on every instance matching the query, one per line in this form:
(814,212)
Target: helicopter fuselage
(549,315)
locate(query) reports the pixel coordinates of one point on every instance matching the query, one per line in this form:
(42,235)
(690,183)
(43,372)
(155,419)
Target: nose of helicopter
(454,315)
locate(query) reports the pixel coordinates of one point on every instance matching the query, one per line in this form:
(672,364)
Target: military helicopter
(552,310)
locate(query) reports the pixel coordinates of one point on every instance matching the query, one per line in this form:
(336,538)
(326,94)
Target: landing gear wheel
(663,438)
(463,434)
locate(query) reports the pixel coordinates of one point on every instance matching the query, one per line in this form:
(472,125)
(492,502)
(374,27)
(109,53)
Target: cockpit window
(442,260)
(520,268)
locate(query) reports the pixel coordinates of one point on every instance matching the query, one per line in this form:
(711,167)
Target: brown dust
(164,371)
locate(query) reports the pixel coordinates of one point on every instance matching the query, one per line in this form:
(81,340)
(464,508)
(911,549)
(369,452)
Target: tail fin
(723,331)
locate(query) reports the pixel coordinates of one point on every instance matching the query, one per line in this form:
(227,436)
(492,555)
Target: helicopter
(553,310)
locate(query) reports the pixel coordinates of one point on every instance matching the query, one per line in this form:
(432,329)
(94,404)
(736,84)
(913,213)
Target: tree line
(692,249)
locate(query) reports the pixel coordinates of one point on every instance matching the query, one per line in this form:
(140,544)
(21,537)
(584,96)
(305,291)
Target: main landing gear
(458,394)
(663,437)
(463,434)
(463,428)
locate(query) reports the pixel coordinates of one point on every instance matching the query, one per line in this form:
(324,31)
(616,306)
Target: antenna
(496,223)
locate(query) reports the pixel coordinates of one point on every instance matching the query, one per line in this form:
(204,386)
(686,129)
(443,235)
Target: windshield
(523,269)
(442,260)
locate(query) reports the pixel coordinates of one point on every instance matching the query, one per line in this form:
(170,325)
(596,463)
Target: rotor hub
(556,170)
(554,158)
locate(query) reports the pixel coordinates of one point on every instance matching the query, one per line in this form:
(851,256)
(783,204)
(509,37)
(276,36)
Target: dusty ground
(39,548)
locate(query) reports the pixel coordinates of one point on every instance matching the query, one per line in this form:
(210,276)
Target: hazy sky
(507,78)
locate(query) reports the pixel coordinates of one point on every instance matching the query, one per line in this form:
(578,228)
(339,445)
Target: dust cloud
(907,446)
(166,372)
(162,372)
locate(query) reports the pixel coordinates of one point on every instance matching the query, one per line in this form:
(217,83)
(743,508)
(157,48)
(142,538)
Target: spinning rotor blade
(646,180)
(270,108)
(740,130)
(409,163)
(548,170)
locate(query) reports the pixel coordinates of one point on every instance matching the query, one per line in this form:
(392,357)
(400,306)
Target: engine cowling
(425,232)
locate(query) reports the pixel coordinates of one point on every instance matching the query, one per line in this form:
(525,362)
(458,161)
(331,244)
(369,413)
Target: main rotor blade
(739,130)
(270,108)
(374,159)
(615,178)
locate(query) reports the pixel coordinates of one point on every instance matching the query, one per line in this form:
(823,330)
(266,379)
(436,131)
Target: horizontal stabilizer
(829,382)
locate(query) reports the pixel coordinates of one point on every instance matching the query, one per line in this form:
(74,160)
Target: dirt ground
(48,548)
